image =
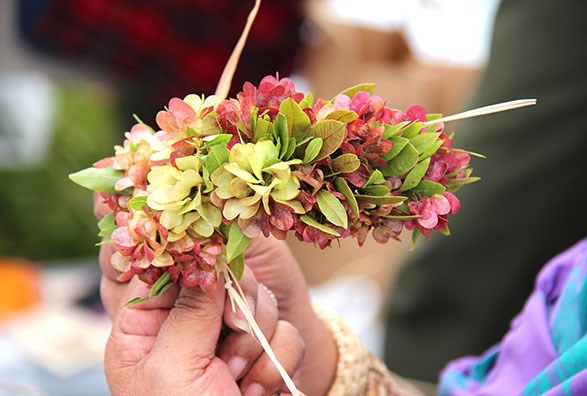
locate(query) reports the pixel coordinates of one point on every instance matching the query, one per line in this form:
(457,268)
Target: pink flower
(433,211)
(270,93)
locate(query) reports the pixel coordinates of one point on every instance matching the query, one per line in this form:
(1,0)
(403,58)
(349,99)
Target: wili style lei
(187,199)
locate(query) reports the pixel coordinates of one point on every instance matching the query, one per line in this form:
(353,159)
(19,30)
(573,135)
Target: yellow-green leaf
(403,162)
(346,163)
(312,150)
(454,184)
(345,116)
(415,176)
(98,179)
(398,145)
(161,285)
(138,202)
(342,187)
(106,226)
(367,87)
(236,242)
(394,130)
(332,133)
(428,188)
(331,208)
(412,130)
(313,223)
(388,200)
(297,120)
(237,266)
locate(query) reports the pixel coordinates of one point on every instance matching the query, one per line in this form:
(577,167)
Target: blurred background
(72,73)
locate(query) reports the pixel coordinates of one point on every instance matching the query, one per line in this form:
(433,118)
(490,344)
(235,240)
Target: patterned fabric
(173,46)
(545,350)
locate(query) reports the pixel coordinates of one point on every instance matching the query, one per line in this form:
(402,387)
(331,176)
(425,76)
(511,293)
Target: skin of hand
(297,327)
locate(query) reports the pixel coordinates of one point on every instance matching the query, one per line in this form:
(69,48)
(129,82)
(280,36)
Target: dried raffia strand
(226,78)
(495,108)
(237,297)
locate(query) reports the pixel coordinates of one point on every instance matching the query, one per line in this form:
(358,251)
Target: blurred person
(456,295)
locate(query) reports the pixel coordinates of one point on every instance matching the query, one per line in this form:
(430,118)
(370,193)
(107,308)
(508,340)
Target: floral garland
(187,200)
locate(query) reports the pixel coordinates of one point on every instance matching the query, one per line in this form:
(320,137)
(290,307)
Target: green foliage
(98,179)
(331,208)
(332,134)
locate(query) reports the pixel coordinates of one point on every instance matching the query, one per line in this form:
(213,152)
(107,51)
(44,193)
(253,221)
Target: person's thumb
(192,329)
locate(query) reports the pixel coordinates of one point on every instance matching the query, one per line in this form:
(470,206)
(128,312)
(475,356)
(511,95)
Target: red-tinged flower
(447,162)
(413,113)
(270,93)
(189,113)
(433,211)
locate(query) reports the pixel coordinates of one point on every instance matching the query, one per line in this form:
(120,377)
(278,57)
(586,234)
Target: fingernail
(236,366)
(254,390)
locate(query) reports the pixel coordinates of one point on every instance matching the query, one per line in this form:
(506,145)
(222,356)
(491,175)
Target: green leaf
(136,300)
(237,266)
(281,130)
(403,162)
(106,226)
(342,187)
(415,236)
(331,208)
(398,145)
(367,87)
(413,130)
(415,176)
(297,121)
(377,190)
(308,101)
(291,148)
(221,139)
(424,140)
(402,217)
(138,202)
(433,116)
(375,178)
(332,133)
(346,163)
(313,223)
(263,127)
(428,188)
(394,130)
(217,156)
(388,200)
(98,179)
(454,184)
(161,285)
(236,242)
(345,116)
(445,231)
(428,151)
(312,150)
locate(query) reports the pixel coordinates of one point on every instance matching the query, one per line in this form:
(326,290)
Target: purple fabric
(545,350)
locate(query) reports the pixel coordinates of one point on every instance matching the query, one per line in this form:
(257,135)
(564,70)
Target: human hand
(277,269)
(274,266)
(152,349)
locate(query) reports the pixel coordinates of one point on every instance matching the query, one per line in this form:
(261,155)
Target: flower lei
(187,200)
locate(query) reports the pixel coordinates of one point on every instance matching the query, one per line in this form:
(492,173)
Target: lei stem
(495,108)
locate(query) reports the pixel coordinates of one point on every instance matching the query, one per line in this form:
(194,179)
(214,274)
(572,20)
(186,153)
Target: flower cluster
(187,199)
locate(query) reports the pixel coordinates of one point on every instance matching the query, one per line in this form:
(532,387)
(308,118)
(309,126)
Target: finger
(263,377)
(240,349)
(106,252)
(192,329)
(111,294)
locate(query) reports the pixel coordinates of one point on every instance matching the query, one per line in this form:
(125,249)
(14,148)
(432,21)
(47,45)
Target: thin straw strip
(223,86)
(257,332)
(496,108)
